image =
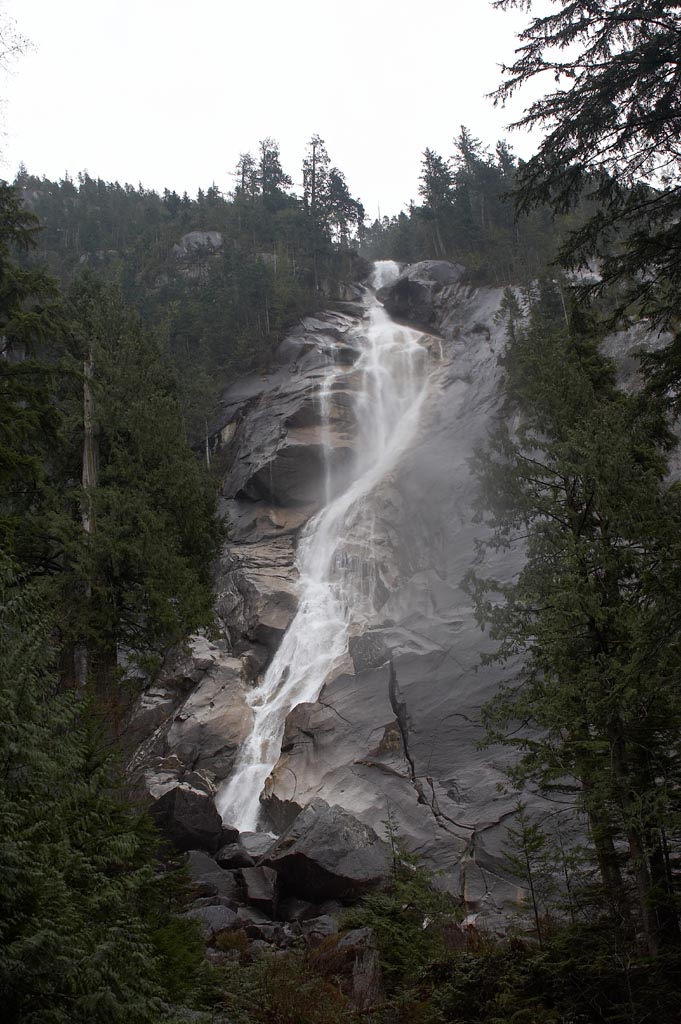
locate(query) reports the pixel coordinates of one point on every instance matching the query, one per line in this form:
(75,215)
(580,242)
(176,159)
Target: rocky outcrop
(269,434)
(395,731)
(397,734)
(211,241)
(421,293)
(394,734)
(195,716)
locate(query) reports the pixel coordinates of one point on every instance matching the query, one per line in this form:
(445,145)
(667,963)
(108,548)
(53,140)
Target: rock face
(394,733)
(209,240)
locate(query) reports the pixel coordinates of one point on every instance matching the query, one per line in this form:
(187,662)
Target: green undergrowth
(437,971)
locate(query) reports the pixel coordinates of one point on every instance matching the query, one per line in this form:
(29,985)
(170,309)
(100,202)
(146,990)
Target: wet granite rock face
(395,732)
(269,434)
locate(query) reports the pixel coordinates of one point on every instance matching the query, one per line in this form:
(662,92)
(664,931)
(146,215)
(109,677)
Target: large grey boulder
(260,888)
(188,818)
(257,844)
(316,929)
(212,920)
(233,855)
(209,878)
(328,854)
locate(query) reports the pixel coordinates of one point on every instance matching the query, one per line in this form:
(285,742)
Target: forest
(125,313)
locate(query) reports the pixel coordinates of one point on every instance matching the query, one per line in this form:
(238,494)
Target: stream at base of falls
(336,556)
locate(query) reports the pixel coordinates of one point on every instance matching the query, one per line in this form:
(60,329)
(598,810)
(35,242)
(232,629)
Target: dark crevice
(399,707)
(400,711)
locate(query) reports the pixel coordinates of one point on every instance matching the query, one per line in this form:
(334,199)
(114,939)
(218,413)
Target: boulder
(416,296)
(257,844)
(212,920)
(209,878)
(260,888)
(215,901)
(257,925)
(359,960)
(294,909)
(328,854)
(229,835)
(233,855)
(272,932)
(188,818)
(316,929)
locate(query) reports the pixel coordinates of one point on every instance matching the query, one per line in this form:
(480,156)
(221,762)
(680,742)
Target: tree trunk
(89,482)
(635,840)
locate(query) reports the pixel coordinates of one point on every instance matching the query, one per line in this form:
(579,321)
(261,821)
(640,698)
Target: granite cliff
(391,726)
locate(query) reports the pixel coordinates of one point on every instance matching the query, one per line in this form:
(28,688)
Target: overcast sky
(168,93)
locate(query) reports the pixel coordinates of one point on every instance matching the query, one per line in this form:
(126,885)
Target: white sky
(168,93)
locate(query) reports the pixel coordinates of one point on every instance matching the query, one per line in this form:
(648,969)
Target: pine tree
(437,190)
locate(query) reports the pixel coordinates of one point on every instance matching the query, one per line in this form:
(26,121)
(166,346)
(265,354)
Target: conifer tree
(591,613)
(29,322)
(83,905)
(611,130)
(144,561)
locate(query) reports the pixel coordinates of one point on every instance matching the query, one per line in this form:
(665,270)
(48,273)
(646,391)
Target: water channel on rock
(337,557)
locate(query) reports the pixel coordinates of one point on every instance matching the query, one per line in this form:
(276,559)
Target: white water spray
(337,557)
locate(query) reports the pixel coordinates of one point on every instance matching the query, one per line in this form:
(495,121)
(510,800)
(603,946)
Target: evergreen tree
(272,179)
(30,320)
(437,190)
(612,131)
(592,613)
(149,523)
(83,907)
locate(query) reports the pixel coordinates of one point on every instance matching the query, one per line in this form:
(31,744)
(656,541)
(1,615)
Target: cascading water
(337,557)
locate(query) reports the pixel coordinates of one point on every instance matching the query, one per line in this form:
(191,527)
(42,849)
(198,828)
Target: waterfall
(337,559)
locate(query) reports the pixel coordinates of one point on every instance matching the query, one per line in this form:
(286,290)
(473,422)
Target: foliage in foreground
(436,972)
(85,928)
(592,619)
